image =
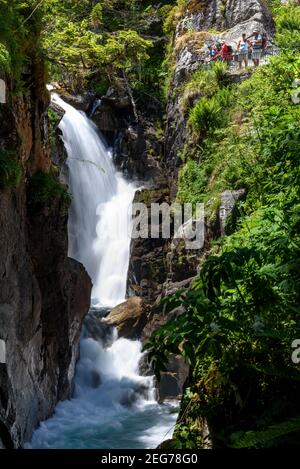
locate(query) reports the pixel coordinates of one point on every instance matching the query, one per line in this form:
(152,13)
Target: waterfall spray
(113,406)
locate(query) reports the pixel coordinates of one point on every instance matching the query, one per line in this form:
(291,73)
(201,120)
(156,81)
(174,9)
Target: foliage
(240,320)
(210,86)
(19,34)
(54,120)
(207,114)
(258,439)
(84,41)
(44,189)
(173,15)
(288,28)
(205,82)
(10,170)
(192,182)
(243,312)
(4,59)
(105,38)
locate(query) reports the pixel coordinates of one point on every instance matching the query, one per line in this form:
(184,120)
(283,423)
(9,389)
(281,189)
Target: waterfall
(100,215)
(113,406)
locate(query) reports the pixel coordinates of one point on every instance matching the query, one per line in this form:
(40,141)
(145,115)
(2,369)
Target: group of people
(255,45)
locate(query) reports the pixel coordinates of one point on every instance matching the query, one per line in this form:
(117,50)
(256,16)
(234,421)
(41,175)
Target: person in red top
(224,53)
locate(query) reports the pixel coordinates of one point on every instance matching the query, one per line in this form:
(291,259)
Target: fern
(262,438)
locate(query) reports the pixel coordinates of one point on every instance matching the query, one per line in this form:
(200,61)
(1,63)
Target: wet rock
(95,379)
(129,318)
(172,381)
(96,328)
(5,438)
(147,269)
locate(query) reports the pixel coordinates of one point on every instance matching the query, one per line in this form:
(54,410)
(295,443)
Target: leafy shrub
(206,115)
(5,64)
(204,82)
(173,15)
(288,28)
(243,312)
(10,170)
(44,190)
(192,182)
(220,70)
(239,322)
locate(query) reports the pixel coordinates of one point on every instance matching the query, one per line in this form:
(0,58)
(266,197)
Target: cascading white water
(100,215)
(113,406)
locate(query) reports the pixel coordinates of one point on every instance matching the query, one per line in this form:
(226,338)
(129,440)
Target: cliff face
(44,295)
(158,266)
(161,267)
(205,21)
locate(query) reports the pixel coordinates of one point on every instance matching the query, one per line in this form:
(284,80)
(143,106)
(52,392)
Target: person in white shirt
(243,50)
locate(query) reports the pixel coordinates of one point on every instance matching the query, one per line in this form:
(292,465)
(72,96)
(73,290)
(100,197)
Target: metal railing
(233,60)
(266,54)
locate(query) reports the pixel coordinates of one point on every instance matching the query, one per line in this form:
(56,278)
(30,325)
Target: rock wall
(44,295)
(160,267)
(205,21)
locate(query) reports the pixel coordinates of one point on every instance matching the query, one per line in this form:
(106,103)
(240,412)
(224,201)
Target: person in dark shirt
(257,47)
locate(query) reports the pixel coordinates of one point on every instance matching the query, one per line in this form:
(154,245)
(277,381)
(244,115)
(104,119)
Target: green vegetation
(231,124)
(10,170)
(19,35)
(288,28)
(87,43)
(5,65)
(44,189)
(173,15)
(205,82)
(243,312)
(97,43)
(53,120)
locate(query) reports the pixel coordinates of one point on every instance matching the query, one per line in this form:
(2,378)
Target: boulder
(228,203)
(172,381)
(129,317)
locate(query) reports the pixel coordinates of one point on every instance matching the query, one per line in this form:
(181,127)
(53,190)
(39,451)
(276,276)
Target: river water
(113,405)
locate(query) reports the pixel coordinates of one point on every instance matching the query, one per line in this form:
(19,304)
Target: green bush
(220,70)
(45,190)
(5,64)
(10,170)
(243,312)
(192,182)
(204,82)
(288,28)
(207,115)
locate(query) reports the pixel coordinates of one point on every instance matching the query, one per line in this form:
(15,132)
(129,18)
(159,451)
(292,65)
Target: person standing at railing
(257,47)
(212,50)
(225,53)
(243,48)
(265,44)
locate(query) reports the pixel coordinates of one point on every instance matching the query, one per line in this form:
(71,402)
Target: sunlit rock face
(209,20)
